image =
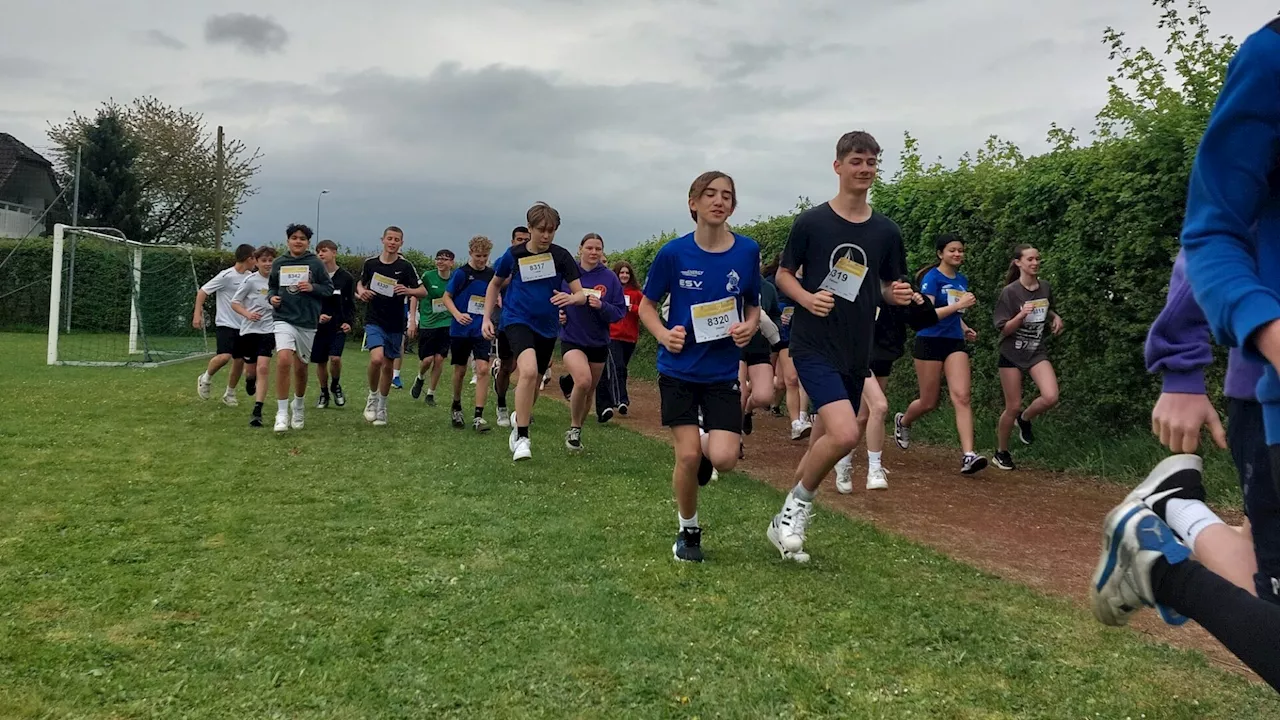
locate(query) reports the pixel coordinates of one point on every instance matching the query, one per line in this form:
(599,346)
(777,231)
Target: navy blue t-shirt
(535,277)
(693,278)
(467,287)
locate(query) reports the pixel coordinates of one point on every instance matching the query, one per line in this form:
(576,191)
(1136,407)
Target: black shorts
(936,349)
(522,337)
(504,347)
(256,346)
(720,403)
(328,344)
(594,354)
(752,356)
(780,346)
(230,342)
(1005,362)
(433,342)
(881,368)
(463,348)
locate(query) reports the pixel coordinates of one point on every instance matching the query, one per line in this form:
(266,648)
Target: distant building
(28,185)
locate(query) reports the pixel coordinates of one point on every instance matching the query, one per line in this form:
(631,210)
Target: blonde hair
(480,243)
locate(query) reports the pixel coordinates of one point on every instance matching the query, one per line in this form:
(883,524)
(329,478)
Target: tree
(176,167)
(110,193)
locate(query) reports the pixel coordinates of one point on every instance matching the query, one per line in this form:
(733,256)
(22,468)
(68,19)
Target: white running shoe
(1133,539)
(788,527)
(380,414)
(202,386)
(901,433)
(515,434)
(522,450)
(800,429)
(371,408)
(473,377)
(282,421)
(229,398)
(504,417)
(296,422)
(715,475)
(480,424)
(844,475)
(876,479)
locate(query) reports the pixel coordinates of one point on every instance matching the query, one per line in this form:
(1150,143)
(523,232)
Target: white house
(27,186)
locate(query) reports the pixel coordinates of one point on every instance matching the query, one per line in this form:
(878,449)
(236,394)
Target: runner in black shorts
(335,323)
(505,365)
(429,322)
(229,347)
(464,299)
(755,367)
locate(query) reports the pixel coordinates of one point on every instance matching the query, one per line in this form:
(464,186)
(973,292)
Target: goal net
(118,302)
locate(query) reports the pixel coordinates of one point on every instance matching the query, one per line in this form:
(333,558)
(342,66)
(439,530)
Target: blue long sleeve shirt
(1231,235)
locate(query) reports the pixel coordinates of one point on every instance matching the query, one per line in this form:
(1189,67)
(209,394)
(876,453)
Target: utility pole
(220,174)
(75,199)
(321,195)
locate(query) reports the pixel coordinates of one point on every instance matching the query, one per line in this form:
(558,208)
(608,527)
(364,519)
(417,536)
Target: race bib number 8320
(711,320)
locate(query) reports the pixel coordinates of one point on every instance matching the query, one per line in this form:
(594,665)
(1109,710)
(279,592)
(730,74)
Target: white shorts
(293,338)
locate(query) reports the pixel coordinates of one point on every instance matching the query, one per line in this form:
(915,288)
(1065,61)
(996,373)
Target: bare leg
(482,388)
(527,384)
(215,363)
(958,379)
(584,374)
(929,374)
(877,410)
(284,364)
(1011,384)
(264,376)
(1046,381)
(237,369)
(836,429)
(684,476)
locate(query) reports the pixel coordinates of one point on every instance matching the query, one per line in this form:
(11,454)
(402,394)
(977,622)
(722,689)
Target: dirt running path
(1041,529)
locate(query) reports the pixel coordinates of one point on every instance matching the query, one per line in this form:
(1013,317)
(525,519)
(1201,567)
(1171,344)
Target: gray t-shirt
(1024,347)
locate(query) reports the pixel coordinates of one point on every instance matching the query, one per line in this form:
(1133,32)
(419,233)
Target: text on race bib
(592,292)
(437,306)
(845,279)
(711,320)
(788,312)
(954,295)
(475,305)
(291,275)
(383,285)
(1039,311)
(537,267)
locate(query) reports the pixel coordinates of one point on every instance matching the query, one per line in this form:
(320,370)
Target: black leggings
(1247,626)
(611,391)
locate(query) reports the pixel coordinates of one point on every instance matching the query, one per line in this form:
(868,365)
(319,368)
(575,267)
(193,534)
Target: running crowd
(814,324)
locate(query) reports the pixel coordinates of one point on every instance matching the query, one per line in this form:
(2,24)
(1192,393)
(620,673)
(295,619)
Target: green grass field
(160,559)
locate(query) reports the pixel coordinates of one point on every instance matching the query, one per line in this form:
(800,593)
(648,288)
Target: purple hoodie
(1178,345)
(588,326)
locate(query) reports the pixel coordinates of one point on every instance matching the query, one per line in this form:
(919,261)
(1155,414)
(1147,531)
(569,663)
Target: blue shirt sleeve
(503,267)
(1228,189)
(658,281)
(455,284)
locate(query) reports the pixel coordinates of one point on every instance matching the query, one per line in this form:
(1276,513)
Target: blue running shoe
(1133,539)
(395,383)
(688,545)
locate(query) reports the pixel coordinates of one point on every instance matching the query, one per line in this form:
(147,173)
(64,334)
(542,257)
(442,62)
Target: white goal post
(102,352)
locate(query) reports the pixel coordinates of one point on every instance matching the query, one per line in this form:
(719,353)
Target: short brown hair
(264,251)
(703,181)
(480,243)
(394,229)
(856,141)
(326,245)
(543,217)
(591,236)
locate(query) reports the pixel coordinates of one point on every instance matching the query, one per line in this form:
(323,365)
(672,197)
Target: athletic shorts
(433,342)
(376,337)
(594,354)
(230,342)
(720,403)
(780,346)
(504,347)
(462,347)
(751,357)
(330,342)
(258,345)
(881,368)
(825,385)
(299,340)
(522,337)
(1248,442)
(935,349)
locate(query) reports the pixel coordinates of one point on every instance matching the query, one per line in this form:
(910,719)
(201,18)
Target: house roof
(14,153)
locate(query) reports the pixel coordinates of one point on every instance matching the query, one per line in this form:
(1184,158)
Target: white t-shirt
(223,286)
(252,295)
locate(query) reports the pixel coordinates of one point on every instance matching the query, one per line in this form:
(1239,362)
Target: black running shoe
(251,386)
(623,409)
(1179,476)
(742,450)
(605,415)
(688,546)
(705,468)
(566,385)
(573,439)
(255,421)
(972,464)
(1003,459)
(458,420)
(1024,431)
(338,398)
(416,390)
(776,410)
(431,399)
(323,402)
(748,423)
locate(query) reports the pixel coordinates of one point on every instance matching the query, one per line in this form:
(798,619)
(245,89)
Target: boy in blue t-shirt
(464,299)
(712,276)
(532,272)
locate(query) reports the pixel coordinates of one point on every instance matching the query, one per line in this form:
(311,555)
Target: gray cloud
(17,67)
(160,38)
(254,34)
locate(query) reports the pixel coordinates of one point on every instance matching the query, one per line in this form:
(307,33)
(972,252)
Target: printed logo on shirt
(691,284)
(691,273)
(847,251)
(732,285)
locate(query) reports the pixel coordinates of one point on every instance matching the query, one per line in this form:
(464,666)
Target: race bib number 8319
(845,279)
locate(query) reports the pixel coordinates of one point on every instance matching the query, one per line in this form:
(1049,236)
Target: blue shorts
(824,384)
(389,342)
(1248,442)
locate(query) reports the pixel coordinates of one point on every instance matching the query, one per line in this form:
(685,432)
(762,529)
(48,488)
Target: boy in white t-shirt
(227,327)
(252,303)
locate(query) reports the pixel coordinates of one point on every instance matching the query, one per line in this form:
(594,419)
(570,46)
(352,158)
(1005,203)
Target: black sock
(457,405)
(522,431)
(257,409)
(333,384)
(502,400)
(479,411)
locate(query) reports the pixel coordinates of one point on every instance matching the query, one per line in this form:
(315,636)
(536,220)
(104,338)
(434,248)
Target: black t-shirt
(341,305)
(821,239)
(386,312)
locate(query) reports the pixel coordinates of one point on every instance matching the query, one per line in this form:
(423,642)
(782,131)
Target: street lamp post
(322,194)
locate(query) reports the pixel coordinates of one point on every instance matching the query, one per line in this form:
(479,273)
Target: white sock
(395,374)
(845,461)
(804,417)
(689,524)
(299,402)
(204,376)
(1188,518)
(382,400)
(419,376)
(230,391)
(873,459)
(282,406)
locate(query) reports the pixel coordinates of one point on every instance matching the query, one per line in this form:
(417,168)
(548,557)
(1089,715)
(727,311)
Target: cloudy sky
(450,117)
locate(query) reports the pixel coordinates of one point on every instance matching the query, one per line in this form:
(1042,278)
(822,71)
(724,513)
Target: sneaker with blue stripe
(1133,539)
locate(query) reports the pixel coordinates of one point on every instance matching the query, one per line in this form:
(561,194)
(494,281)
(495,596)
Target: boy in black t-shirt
(336,316)
(386,283)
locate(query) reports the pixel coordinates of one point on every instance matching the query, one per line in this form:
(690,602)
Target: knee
(723,459)
(1012,409)
(960,398)
(929,404)
(762,396)
(878,408)
(688,459)
(1050,398)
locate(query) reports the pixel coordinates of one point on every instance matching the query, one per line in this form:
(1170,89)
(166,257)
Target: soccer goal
(119,302)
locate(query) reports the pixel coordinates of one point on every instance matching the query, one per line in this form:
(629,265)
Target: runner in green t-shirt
(429,321)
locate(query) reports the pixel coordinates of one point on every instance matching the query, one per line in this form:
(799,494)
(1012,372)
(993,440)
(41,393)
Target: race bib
(537,267)
(437,306)
(711,320)
(383,285)
(627,299)
(954,295)
(593,292)
(845,279)
(291,275)
(1039,311)
(475,305)
(788,312)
